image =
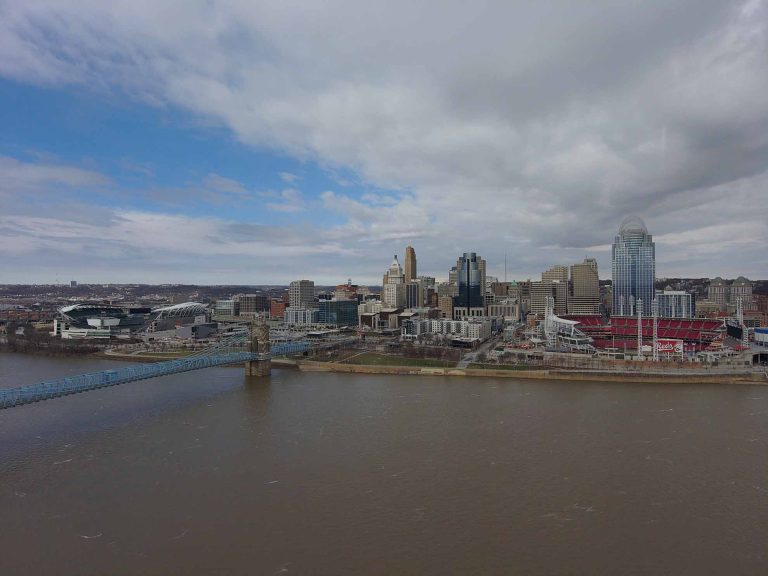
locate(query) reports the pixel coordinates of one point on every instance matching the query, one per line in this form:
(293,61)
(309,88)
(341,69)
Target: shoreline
(573,375)
(745,377)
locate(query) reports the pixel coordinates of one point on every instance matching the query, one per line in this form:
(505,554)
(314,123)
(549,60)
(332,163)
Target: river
(210,473)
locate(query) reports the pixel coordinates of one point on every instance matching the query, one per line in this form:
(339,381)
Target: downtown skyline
(256,144)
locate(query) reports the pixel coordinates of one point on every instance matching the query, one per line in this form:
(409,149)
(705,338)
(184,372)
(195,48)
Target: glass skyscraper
(634,268)
(470,278)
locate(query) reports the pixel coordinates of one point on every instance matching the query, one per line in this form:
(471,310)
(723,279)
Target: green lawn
(476,366)
(376,359)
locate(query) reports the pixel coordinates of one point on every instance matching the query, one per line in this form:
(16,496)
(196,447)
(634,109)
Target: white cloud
(219,183)
(500,127)
(288,177)
(291,201)
(18,176)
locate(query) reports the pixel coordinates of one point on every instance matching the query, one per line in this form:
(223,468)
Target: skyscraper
(470,277)
(633,268)
(742,288)
(557,276)
(718,291)
(585,288)
(301,294)
(394,274)
(557,273)
(410,264)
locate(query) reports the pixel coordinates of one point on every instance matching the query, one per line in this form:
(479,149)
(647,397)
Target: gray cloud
(526,129)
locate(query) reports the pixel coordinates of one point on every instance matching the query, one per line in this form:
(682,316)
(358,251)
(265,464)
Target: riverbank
(745,377)
(414,368)
(165,356)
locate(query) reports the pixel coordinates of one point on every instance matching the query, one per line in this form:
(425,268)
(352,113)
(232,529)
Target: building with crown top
(633,268)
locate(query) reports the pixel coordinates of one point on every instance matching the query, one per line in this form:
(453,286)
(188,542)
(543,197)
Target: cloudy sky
(255,143)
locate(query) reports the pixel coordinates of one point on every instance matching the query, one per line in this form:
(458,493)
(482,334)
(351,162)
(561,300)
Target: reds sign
(669,346)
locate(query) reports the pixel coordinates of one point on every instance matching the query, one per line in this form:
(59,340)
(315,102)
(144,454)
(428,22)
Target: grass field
(376,359)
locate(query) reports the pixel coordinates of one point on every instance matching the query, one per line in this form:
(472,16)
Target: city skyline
(247,140)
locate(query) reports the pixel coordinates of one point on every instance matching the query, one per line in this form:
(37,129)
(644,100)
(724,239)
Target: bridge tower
(259,345)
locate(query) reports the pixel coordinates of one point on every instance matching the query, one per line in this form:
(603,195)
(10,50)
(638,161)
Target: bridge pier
(259,345)
(258,368)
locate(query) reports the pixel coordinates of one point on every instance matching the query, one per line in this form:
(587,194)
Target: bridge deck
(84,382)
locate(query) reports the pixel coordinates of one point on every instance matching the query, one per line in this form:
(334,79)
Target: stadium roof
(85,306)
(183,309)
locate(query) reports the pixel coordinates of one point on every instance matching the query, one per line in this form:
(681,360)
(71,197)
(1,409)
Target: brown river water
(211,473)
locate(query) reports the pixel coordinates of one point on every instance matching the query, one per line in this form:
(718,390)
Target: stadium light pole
(639,327)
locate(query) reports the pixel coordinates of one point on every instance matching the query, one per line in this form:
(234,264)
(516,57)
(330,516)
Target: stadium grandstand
(696,334)
(564,335)
(621,331)
(593,325)
(101,321)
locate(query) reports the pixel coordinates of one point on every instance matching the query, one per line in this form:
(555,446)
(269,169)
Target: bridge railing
(85,382)
(227,351)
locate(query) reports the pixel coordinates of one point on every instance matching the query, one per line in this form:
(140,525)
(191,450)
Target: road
(470,357)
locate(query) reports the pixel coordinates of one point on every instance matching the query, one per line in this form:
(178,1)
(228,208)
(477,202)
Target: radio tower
(655,308)
(639,327)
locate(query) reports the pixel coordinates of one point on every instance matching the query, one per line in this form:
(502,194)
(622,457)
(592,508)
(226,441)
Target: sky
(247,142)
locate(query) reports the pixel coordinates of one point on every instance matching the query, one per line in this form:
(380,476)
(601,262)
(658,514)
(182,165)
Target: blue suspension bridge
(230,350)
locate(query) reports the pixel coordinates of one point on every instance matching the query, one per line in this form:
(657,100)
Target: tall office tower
(427,282)
(560,291)
(414,294)
(539,292)
(452,274)
(524,293)
(556,290)
(446,289)
(394,274)
(633,267)
(301,294)
(428,288)
(393,294)
(718,292)
(556,273)
(445,304)
(742,288)
(470,277)
(585,288)
(557,278)
(410,264)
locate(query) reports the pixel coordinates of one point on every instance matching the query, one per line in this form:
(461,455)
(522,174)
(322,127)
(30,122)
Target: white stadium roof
(183,309)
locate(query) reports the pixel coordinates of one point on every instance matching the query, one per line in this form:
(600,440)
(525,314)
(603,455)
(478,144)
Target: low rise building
(226,308)
(509,308)
(338,312)
(252,304)
(277,308)
(301,316)
(675,304)
(478,329)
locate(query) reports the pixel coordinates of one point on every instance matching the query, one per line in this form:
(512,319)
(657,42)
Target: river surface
(211,473)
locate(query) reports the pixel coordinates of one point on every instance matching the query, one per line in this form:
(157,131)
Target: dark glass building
(338,312)
(470,280)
